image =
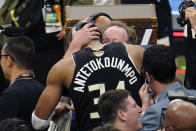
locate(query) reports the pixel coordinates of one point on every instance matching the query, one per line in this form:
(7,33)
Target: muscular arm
(51,94)
(59,76)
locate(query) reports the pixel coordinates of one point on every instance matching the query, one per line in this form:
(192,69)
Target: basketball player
(86,75)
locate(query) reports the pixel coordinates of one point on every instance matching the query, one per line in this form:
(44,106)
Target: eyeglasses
(9,56)
(4,55)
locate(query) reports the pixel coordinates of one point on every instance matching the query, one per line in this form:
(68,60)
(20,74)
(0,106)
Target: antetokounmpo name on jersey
(98,64)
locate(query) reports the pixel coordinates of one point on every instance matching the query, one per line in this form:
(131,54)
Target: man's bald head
(180,115)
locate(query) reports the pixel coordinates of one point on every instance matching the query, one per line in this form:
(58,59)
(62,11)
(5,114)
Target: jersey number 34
(101,88)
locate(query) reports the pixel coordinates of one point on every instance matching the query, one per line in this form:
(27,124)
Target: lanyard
(24,76)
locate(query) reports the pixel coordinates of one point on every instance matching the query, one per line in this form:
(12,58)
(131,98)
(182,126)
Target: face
(4,63)
(132,115)
(115,34)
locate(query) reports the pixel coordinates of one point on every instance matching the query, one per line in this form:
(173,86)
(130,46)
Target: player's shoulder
(63,64)
(134,48)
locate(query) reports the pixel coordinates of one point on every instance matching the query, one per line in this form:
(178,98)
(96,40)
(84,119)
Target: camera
(179,94)
(176,94)
(185,4)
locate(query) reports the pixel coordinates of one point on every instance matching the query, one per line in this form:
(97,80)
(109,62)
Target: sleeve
(151,119)
(9,105)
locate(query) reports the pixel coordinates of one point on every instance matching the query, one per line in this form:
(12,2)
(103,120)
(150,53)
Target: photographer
(190,76)
(190,14)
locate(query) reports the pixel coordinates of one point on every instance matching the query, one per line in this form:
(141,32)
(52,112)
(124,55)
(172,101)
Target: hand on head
(85,35)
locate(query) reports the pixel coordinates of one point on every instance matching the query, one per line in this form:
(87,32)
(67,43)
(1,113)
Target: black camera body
(176,94)
(185,4)
(180,94)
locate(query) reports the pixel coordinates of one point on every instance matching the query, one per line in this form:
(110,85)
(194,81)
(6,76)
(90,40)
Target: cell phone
(150,90)
(162,120)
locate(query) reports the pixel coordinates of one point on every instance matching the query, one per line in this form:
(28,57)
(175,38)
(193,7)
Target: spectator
(190,76)
(180,115)
(20,98)
(118,31)
(49,46)
(15,124)
(118,108)
(159,68)
(88,78)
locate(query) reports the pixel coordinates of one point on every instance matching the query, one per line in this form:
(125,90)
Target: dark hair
(132,36)
(22,51)
(110,102)
(159,61)
(106,127)
(15,124)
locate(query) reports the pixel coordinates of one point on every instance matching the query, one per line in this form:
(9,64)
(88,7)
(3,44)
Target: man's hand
(85,35)
(190,14)
(61,107)
(61,35)
(82,38)
(146,97)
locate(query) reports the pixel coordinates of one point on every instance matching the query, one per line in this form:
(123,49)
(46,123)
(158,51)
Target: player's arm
(49,98)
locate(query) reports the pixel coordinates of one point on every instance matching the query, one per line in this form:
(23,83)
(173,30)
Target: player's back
(97,71)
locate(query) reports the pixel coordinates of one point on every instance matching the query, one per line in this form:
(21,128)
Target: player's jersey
(99,71)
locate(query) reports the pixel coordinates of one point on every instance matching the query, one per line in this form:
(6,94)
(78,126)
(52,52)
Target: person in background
(118,108)
(49,46)
(159,68)
(20,98)
(118,31)
(190,76)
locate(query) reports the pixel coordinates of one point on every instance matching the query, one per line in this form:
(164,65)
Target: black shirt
(96,72)
(19,99)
